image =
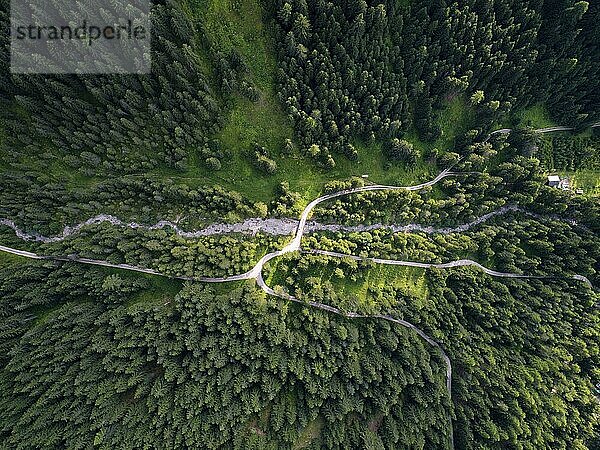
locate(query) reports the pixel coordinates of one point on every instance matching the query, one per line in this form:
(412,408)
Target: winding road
(256,273)
(293,246)
(448,265)
(539,130)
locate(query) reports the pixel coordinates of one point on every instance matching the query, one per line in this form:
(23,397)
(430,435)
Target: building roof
(554,178)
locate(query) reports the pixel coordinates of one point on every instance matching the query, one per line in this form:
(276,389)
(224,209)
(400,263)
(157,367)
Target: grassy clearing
(301,173)
(372,162)
(9,260)
(44,313)
(454,119)
(161,291)
(309,434)
(536,116)
(409,281)
(239,25)
(588,180)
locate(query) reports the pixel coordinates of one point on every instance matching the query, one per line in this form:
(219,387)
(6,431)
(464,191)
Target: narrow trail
(293,246)
(448,265)
(256,273)
(352,315)
(539,130)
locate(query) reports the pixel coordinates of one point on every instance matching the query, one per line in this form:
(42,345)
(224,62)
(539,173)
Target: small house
(554,181)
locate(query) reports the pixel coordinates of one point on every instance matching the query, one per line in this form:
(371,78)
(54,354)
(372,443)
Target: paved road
(554,129)
(539,130)
(449,265)
(294,246)
(458,263)
(22,253)
(256,272)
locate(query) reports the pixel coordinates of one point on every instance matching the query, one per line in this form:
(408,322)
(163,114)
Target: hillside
(314,224)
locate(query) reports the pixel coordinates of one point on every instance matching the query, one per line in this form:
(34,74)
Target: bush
(403,151)
(213,163)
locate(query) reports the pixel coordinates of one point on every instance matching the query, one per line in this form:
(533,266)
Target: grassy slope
(588,180)
(239,24)
(536,117)
(410,281)
(6,259)
(454,118)
(160,292)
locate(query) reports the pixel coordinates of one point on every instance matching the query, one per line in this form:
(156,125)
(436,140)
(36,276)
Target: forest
(220,374)
(253,110)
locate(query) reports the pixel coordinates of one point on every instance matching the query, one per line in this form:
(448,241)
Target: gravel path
(294,246)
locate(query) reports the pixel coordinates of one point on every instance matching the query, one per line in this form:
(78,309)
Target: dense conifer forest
(252,110)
